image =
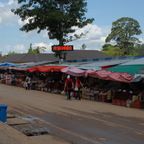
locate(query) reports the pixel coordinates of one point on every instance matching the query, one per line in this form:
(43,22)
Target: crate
(114,101)
(138,104)
(90,96)
(118,102)
(104,98)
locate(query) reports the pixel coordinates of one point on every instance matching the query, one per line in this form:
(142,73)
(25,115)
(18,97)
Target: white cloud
(92,32)
(17,48)
(6,16)
(141,40)
(1,5)
(94,39)
(45,34)
(6,49)
(0,19)
(20,48)
(11,2)
(47,46)
(30,33)
(21,23)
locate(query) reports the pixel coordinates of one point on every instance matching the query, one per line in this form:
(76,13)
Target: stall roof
(46,68)
(114,76)
(8,64)
(132,67)
(135,62)
(98,65)
(70,55)
(104,63)
(34,64)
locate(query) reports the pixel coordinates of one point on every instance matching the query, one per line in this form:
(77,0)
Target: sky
(105,12)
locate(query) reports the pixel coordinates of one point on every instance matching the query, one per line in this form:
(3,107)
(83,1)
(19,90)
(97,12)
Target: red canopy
(103,74)
(46,68)
(106,67)
(89,72)
(73,71)
(64,70)
(115,76)
(32,69)
(58,68)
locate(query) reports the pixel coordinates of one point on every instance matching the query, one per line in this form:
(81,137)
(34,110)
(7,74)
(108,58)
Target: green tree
(38,49)
(138,50)
(123,31)
(30,50)
(83,46)
(61,55)
(58,17)
(106,47)
(11,53)
(0,53)
(113,51)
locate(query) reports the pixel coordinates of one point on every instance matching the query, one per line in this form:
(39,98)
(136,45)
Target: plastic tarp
(46,68)
(139,76)
(8,64)
(141,72)
(134,67)
(106,67)
(88,72)
(139,61)
(114,76)
(130,69)
(74,71)
(64,70)
(103,74)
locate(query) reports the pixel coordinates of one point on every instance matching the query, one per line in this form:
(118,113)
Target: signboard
(62,48)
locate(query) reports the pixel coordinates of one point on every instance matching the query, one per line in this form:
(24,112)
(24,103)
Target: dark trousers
(69,94)
(99,97)
(28,86)
(78,94)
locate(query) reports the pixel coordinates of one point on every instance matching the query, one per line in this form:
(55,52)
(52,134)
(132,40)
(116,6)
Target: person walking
(68,87)
(27,82)
(77,89)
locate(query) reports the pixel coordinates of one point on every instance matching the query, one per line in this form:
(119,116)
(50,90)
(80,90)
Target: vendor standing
(78,86)
(27,82)
(68,87)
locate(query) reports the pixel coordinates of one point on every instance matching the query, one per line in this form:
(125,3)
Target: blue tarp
(8,64)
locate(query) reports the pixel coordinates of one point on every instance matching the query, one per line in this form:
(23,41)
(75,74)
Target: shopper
(78,86)
(69,85)
(27,82)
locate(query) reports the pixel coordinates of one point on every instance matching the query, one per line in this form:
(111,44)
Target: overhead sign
(62,48)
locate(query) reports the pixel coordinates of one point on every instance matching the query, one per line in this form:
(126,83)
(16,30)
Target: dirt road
(78,122)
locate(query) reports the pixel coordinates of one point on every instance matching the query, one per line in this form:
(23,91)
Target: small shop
(99,85)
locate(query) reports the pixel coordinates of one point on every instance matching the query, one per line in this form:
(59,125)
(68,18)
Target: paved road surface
(79,122)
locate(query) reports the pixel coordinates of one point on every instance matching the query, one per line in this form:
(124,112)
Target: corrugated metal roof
(94,65)
(135,62)
(70,55)
(34,64)
(105,63)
